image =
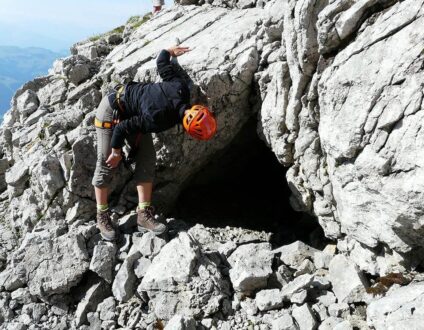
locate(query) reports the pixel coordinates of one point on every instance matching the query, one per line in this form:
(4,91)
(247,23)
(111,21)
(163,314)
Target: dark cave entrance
(246,187)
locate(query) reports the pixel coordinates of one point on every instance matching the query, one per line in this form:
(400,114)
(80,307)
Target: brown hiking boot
(104,223)
(146,221)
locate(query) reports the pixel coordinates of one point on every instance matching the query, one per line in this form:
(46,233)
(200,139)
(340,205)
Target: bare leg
(144,190)
(101,195)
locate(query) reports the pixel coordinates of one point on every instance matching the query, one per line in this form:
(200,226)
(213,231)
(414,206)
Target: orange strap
(102,124)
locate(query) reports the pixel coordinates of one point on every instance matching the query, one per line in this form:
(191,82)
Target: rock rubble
(336,87)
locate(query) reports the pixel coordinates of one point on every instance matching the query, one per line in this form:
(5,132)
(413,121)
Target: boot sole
(145,230)
(108,238)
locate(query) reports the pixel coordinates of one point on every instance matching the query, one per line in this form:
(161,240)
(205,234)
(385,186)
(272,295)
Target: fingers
(112,162)
(182,50)
(178,50)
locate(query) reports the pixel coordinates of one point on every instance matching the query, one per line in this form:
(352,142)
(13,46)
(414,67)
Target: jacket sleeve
(124,129)
(165,68)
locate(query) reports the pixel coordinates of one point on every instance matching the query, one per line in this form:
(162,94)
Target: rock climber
(157,6)
(132,113)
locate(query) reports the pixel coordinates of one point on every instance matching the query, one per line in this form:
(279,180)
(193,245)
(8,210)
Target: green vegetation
(136,21)
(133,20)
(119,29)
(95,37)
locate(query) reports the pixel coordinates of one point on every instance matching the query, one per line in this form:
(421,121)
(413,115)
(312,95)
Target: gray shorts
(145,155)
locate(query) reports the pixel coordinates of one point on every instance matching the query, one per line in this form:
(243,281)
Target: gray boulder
(284,322)
(103,259)
(27,103)
(53,93)
(182,280)
(348,282)
(305,318)
(179,322)
(295,254)
(16,177)
(330,323)
(174,264)
(79,73)
(11,280)
(269,299)
(47,177)
(106,309)
(296,286)
(250,267)
(82,170)
(147,244)
(124,284)
(93,296)
(55,265)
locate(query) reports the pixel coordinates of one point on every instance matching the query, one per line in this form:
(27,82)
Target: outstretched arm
(165,69)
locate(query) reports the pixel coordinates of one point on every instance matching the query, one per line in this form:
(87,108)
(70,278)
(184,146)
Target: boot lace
(104,219)
(150,214)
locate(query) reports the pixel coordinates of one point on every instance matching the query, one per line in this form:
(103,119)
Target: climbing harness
(117,112)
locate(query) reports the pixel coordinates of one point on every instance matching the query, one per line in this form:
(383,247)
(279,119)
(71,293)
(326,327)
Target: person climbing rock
(132,112)
(157,6)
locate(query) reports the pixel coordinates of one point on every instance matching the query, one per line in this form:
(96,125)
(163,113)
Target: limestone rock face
(400,309)
(374,162)
(348,123)
(337,90)
(336,105)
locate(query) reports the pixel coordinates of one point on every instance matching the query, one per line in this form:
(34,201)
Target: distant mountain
(18,65)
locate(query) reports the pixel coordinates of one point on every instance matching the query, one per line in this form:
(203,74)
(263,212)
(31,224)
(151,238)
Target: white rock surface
(102,261)
(269,299)
(348,282)
(337,90)
(53,266)
(374,162)
(179,275)
(295,254)
(284,322)
(179,322)
(250,267)
(400,309)
(124,284)
(305,318)
(297,285)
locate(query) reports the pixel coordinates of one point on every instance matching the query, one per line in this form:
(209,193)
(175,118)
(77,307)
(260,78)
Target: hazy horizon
(53,27)
(56,26)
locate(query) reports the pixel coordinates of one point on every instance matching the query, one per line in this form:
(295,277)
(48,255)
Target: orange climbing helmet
(199,122)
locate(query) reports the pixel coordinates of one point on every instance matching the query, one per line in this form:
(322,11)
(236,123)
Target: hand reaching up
(176,51)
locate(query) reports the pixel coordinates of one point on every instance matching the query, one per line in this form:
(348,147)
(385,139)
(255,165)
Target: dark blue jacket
(153,107)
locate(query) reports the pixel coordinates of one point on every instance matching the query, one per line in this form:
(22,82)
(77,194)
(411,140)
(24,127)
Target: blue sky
(57,24)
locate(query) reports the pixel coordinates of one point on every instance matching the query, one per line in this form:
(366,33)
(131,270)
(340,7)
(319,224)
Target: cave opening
(245,186)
